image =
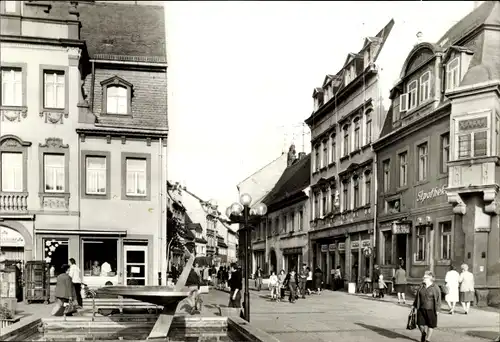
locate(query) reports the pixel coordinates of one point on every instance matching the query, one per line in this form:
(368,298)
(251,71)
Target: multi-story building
(176,213)
(347,117)
(199,239)
(439,153)
(281,241)
(91,184)
(258,186)
(232,245)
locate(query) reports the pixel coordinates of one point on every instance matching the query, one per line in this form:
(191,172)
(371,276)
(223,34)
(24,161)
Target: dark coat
(287,279)
(318,278)
(64,287)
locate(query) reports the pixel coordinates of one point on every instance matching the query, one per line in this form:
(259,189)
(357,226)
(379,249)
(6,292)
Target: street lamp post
(242,213)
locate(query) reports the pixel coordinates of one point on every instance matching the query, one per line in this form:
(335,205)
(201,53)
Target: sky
(241,77)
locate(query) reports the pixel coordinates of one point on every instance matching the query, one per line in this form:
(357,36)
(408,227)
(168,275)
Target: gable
(418,59)
(349,58)
(328,78)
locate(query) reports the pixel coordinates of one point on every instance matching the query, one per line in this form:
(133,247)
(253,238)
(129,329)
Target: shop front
(292,259)
(103,257)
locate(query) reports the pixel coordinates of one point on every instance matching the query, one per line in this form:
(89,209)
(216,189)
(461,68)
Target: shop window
(445,240)
(100,257)
(421,243)
(56,254)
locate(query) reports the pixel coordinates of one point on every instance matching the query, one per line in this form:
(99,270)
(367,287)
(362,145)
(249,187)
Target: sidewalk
(338,316)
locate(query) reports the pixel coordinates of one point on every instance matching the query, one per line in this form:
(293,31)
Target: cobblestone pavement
(338,316)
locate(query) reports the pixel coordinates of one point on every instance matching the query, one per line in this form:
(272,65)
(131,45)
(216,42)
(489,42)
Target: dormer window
(425,86)
(116,96)
(452,74)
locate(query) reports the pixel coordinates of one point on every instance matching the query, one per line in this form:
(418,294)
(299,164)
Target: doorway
(354,266)
(401,245)
(274,262)
(136,272)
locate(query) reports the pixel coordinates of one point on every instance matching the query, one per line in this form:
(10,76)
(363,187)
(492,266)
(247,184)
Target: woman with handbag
(451,288)
(64,293)
(467,292)
(427,305)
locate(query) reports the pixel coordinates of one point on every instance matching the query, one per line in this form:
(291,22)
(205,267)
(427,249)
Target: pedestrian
(452,282)
(64,293)
(400,283)
(258,278)
(427,303)
(309,281)
(75,275)
(235,284)
(193,282)
(381,286)
(273,286)
(220,277)
(291,282)
(337,279)
(376,275)
(318,279)
(281,279)
(467,293)
(303,280)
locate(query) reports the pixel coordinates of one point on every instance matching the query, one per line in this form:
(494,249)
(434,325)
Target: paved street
(338,316)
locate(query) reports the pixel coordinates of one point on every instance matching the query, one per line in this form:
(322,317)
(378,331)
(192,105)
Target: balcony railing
(13,202)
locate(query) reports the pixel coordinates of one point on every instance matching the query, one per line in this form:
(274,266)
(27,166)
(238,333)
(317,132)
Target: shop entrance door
(401,249)
(136,272)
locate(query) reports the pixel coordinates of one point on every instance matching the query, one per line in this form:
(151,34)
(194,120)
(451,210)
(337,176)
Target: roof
(132,32)
(468,23)
(294,179)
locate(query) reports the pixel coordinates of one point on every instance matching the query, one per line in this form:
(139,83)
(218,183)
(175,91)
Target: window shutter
(403,103)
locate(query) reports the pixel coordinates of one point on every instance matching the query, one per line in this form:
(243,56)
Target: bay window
(472,137)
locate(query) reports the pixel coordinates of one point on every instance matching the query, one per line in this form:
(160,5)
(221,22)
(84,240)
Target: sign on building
(354,244)
(401,228)
(332,247)
(324,248)
(10,238)
(341,246)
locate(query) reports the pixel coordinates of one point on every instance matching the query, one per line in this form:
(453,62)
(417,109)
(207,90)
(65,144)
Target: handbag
(445,289)
(412,320)
(69,309)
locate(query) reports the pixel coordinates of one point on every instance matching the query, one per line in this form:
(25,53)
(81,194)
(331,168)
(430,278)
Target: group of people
(427,303)
(297,284)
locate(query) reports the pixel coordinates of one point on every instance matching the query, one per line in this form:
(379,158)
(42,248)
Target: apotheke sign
(423,196)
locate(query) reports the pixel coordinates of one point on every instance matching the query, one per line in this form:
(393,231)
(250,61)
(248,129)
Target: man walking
(75,274)
(258,278)
(235,283)
(303,280)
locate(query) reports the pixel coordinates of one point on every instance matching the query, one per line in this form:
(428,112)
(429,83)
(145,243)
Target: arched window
(357,136)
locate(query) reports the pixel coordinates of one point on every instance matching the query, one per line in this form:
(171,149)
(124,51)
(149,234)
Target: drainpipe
(92,87)
(162,225)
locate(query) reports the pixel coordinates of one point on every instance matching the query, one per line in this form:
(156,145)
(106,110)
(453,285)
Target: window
(333,153)
(425,86)
(55,254)
(136,177)
(277,226)
(403,169)
(357,202)
(317,158)
(423,162)
(472,138)
(292,221)
(345,196)
(96,175)
(325,153)
(99,257)
(393,206)
(386,167)
(116,101)
(301,220)
(452,74)
(412,95)
(445,152)
(368,189)
(445,232)
(368,126)
(332,200)
(12,87)
(316,205)
(421,244)
(346,140)
(54,86)
(324,204)
(357,138)
(54,177)
(12,171)
(403,106)
(10,6)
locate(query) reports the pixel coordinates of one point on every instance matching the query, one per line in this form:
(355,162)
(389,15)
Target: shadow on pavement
(384,332)
(490,335)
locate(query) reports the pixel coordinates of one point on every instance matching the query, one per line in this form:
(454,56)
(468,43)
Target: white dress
(452,282)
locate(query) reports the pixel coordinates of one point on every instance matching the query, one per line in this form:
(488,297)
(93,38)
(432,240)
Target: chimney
(301,155)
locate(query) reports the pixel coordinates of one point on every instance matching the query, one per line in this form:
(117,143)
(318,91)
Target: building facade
(102,102)
(438,157)
(281,241)
(347,118)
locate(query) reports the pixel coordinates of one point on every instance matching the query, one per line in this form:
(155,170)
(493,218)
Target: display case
(37,281)
(8,287)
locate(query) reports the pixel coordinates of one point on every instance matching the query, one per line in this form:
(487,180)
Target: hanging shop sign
(354,244)
(341,246)
(401,228)
(366,243)
(332,247)
(10,238)
(367,251)
(324,248)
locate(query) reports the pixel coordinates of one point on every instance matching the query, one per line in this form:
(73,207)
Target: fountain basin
(160,295)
